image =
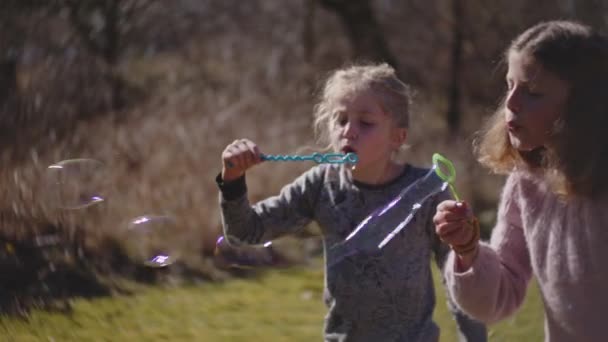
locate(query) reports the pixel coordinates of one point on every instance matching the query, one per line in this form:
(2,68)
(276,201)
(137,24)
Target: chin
(521,145)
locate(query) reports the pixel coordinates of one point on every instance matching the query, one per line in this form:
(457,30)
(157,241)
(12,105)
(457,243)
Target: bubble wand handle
(319,158)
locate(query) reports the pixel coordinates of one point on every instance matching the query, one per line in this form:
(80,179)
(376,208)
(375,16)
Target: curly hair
(394,96)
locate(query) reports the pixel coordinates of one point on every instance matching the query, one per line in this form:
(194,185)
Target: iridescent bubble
(77,183)
(153,241)
(377,229)
(233,254)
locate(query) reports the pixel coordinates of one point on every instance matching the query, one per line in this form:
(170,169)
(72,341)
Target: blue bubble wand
(319,158)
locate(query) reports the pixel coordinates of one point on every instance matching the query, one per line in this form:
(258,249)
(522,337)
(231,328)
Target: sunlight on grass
(526,325)
(280,305)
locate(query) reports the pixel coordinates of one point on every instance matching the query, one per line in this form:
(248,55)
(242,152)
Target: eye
(366,123)
(340,119)
(533,93)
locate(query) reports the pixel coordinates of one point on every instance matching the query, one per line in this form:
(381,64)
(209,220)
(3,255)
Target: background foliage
(156,89)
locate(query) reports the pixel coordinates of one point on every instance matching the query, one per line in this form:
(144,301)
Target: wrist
(466,260)
(229,175)
(470,247)
(231,189)
(469,254)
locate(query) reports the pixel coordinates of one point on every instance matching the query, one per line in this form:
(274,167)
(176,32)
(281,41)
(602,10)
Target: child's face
(536,98)
(360,125)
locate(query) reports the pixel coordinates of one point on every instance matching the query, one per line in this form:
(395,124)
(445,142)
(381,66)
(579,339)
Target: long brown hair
(576,157)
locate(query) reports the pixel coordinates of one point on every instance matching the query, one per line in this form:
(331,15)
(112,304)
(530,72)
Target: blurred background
(154,90)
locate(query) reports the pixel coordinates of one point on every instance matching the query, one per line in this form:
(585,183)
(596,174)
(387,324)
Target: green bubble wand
(440,161)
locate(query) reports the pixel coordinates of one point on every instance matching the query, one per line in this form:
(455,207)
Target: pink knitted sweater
(564,244)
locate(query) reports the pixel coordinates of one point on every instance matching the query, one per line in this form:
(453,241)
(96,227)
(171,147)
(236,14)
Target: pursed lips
(512,126)
(348,149)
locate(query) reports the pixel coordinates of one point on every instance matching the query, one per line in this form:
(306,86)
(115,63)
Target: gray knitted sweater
(379,297)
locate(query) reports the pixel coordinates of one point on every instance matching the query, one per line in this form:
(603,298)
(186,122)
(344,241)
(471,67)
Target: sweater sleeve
(468,328)
(285,213)
(495,286)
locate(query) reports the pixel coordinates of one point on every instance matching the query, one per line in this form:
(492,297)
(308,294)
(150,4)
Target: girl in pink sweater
(549,135)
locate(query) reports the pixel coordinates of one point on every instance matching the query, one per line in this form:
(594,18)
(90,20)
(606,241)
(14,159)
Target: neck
(378,175)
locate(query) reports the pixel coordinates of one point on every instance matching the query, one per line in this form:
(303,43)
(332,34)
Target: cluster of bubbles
(150,240)
(153,240)
(77,184)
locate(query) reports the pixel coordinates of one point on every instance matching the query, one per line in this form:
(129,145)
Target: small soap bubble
(153,241)
(233,254)
(77,183)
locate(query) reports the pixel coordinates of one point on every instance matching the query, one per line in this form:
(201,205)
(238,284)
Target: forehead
(526,69)
(358,101)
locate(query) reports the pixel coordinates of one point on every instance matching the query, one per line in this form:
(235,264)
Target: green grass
(280,305)
(525,325)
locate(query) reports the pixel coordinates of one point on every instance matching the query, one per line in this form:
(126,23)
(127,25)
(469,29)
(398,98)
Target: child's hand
(456,226)
(238,157)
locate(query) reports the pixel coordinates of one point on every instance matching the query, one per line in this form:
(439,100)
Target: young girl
(549,136)
(385,297)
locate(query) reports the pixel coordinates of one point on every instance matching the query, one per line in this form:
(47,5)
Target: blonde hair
(392,94)
(574,159)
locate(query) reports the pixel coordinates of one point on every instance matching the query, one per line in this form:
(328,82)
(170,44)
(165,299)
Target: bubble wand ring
(438,162)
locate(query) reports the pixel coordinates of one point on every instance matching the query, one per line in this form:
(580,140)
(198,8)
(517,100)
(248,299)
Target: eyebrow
(533,83)
(338,112)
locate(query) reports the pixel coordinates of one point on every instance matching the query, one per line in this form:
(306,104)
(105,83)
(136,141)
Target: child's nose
(513,101)
(350,131)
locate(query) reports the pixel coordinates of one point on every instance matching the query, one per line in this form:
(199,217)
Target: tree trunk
(454,94)
(111,51)
(8,78)
(364,32)
(308,35)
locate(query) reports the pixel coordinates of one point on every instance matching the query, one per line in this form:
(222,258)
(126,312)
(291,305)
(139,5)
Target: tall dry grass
(162,152)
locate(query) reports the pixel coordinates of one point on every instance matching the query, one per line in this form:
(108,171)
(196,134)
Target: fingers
(455,234)
(453,206)
(451,222)
(451,211)
(447,228)
(253,155)
(241,155)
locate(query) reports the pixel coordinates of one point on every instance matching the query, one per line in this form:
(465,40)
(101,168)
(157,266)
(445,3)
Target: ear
(399,136)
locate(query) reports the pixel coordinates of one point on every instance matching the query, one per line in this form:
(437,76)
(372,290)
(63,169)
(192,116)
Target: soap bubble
(77,183)
(377,229)
(153,241)
(238,255)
